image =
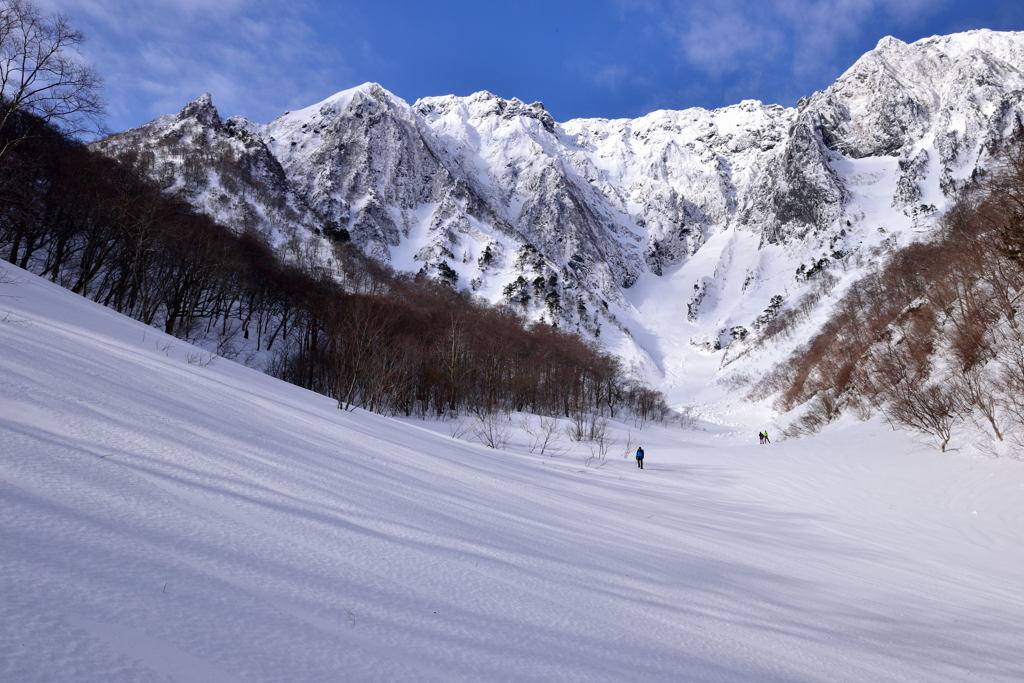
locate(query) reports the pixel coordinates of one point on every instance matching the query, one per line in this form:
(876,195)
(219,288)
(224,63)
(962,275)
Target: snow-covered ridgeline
(668,235)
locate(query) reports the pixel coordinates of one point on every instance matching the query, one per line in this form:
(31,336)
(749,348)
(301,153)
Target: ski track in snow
(164,521)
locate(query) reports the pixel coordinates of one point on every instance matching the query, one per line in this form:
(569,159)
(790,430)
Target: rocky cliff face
(664,234)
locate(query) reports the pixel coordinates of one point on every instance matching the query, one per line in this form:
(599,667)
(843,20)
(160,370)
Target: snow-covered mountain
(673,237)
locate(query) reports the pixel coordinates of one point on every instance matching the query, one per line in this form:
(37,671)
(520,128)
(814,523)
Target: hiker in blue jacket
(640,457)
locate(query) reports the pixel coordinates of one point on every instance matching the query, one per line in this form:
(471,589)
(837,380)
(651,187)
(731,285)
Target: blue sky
(609,58)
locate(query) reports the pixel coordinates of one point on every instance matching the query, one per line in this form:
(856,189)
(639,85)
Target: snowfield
(164,518)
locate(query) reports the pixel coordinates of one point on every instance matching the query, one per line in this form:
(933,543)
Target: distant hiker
(640,457)
(766,439)
(760,438)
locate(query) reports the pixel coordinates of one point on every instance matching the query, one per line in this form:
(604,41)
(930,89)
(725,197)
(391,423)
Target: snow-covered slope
(666,236)
(168,516)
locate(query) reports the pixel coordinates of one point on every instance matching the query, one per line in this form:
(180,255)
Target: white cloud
(258,58)
(805,36)
(611,76)
(715,37)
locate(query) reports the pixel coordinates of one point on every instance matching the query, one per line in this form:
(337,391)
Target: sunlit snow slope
(162,519)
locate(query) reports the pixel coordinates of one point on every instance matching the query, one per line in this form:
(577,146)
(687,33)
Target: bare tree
(1009,380)
(42,76)
(974,388)
(597,427)
(931,409)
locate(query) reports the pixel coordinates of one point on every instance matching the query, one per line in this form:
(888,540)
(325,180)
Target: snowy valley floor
(165,520)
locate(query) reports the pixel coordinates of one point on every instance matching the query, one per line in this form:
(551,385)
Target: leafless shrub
(775,380)
(822,409)
(227,346)
(200,358)
(543,435)
(597,427)
(627,451)
(576,430)
(460,428)
(492,430)
(736,381)
(599,444)
(861,407)
(689,417)
(1010,386)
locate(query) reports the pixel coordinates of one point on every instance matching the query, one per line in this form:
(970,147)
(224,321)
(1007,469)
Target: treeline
(935,338)
(360,333)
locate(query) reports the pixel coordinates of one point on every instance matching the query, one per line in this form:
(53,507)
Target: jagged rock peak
(203,101)
(201,109)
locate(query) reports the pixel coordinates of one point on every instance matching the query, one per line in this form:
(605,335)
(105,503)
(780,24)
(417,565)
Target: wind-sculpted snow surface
(575,222)
(167,515)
